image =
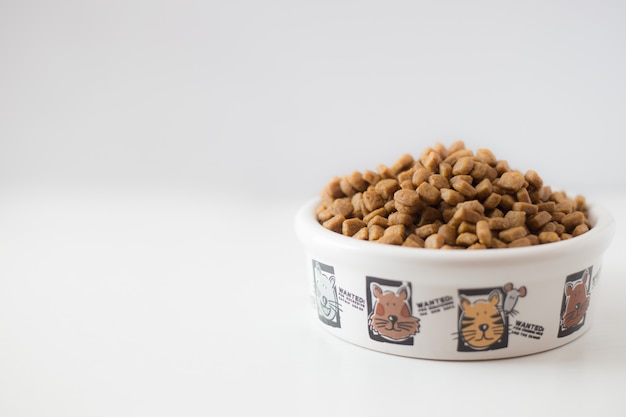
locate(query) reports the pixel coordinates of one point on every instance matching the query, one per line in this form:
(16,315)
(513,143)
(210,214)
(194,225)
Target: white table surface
(164,302)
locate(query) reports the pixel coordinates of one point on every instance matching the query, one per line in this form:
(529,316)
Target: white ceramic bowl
(454,304)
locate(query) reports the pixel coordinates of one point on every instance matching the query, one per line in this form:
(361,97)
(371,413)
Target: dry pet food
(451,198)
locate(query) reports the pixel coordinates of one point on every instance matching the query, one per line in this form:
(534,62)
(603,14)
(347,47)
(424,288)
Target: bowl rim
(313,235)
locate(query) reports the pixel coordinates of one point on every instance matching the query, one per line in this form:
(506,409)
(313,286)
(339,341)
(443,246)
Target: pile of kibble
(451,198)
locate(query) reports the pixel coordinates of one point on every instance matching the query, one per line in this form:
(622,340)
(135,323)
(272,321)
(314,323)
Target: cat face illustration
(577,301)
(325,294)
(391,317)
(481,323)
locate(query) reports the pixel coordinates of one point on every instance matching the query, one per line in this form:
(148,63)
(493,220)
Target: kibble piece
(421,175)
(428,193)
(539,220)
(432,161)
(523,196)
(483,233)
(445,169)
(376,232)
(451,197)
(378,212)
(434,241)
(511,181)
(509,235)
(534,180)
(528,208)
(486,156)
(492,201)
(498,223)
(467,215)
(334,223)
(464,188)
(439,181)
(407,197)
(571,220)
(484,189)
(463,166)
(516,218)
(426,230)
(342,207)
(372,200)
(387,187)
(406,175)
(466,227)
(362,234)
(548,237)
(466,239)
(448,233)
(580,229)
(400,218)
(521,242)
(350,226)
(414,241)
(404,162)
(379,221)
(333,189)
(371,177)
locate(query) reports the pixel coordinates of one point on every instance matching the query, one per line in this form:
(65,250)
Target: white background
(153,155)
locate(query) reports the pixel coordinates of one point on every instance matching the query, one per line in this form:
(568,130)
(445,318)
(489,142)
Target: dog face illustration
(391,316)
(577,301)
(481,323)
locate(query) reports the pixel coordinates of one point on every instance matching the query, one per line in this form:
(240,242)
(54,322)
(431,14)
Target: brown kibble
(466,239)
(426,230)
(407,197)
(509,235)
(450,198)
(483,233)
(428,193)
(414,241)
(534,180)
(434,241)
(498,223)
(486,156)
(342,207)
(362,234)
(539,220)
(400,218)
(351,226)
(372,200)
(464,188)
(463,166)
(334,223)
(571,220)
(404,162)
(387,187)
(516,218)
(511,181)
(492,201)
(528,208)
(580,229)
(521,242)
(448,233)
(548,237)
(439,181)
(376,232)
(420,175)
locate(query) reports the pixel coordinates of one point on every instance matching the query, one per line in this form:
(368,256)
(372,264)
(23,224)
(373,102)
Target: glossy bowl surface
(453,304)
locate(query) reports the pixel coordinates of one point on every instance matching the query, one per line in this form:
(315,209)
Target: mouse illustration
(391,317)
(325,294)
(511,296)
(577,301)
(481,323)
